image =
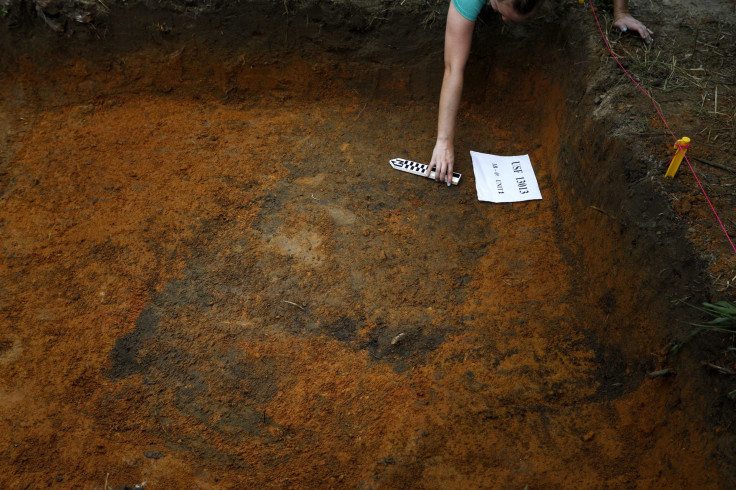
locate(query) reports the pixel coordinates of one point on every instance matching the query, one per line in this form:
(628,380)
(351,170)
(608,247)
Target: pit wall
(621,234)
(638,264)
(637,260)
(228,51)
(626,238)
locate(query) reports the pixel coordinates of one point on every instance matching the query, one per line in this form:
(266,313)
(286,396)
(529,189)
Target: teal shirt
(469,8)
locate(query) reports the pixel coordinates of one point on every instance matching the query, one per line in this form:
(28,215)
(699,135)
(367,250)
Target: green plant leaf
(723,320)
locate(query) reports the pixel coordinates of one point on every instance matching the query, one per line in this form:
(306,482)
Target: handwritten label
(504,179)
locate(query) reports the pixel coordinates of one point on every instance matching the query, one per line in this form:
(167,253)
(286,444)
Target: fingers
(448,174)
(444,173)
(442,163)
(642,30)
(644,33)
(626,23)
(437,164)
(440,172)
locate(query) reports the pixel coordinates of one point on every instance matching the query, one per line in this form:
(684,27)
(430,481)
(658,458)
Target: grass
(721,319)
(435,10)
(663,67)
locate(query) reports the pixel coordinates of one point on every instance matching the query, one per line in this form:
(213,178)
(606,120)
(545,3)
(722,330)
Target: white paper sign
(504,179)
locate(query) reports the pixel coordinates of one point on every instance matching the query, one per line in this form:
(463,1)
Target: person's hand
(626,22)
(443,161)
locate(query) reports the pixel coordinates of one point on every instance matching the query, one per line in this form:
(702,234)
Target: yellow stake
(681,146)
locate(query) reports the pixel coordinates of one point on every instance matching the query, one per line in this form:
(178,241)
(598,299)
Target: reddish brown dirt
(219,266)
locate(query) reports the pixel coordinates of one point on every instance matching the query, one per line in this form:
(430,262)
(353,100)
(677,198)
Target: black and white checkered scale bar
(420,169)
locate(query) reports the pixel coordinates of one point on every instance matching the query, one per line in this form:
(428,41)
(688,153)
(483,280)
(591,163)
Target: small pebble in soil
(153,455)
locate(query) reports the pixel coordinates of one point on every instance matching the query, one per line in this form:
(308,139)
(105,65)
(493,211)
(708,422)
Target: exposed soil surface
(211,277)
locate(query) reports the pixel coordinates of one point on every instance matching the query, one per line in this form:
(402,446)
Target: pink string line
(656,107)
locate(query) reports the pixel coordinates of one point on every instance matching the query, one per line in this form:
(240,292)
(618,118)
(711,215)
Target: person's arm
(458,36)
(624,21)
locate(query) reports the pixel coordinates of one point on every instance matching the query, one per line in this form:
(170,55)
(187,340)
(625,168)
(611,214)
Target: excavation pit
(218,280)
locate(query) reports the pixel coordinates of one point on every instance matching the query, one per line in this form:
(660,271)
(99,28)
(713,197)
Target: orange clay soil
(215,288)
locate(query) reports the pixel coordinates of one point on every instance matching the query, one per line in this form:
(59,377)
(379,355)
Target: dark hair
(525,7)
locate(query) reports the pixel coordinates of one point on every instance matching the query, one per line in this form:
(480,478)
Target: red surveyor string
(656,107)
